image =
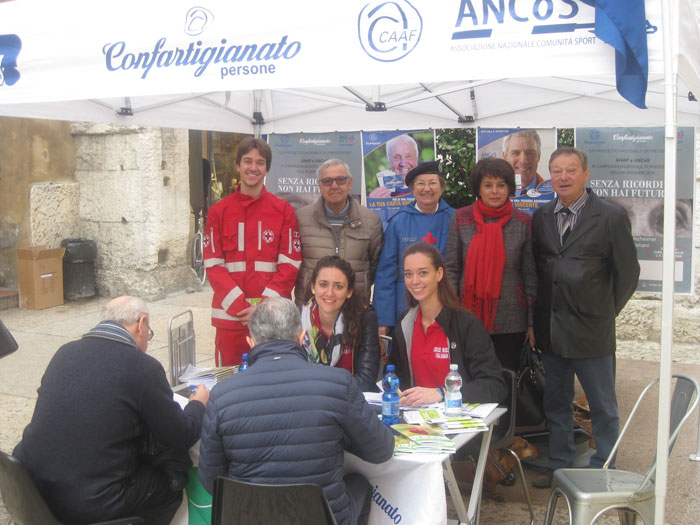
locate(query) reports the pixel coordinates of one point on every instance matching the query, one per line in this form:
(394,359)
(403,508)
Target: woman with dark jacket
(489,260)
(436,332)
(340,330)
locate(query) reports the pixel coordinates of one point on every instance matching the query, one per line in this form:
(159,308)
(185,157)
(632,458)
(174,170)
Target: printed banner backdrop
(141,48)
(296,156)
(388,157)
(627,168)
(491,143)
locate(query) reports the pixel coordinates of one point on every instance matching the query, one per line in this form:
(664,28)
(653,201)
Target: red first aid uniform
(252,251)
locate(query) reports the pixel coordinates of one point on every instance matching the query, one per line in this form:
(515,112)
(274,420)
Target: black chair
(23,501)
(504,432)
(246,503)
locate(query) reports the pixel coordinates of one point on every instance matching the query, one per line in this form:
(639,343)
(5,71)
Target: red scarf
(486,258)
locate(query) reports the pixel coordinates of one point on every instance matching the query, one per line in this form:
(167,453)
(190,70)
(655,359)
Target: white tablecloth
(405,489)
(411,489)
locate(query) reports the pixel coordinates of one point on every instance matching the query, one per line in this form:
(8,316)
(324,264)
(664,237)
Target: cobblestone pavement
(41,333)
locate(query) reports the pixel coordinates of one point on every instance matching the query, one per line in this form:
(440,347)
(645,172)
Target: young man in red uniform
(252,251)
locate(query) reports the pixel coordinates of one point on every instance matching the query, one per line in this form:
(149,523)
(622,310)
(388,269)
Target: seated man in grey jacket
(285,420)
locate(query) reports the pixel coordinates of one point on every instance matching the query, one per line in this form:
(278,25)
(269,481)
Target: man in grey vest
(336,224)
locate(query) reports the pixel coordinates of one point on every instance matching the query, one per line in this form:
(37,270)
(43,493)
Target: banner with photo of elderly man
(296,156)
(501,143)
(627,167)
(388,157)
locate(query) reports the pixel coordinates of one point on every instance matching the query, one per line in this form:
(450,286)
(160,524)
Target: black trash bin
(79,268)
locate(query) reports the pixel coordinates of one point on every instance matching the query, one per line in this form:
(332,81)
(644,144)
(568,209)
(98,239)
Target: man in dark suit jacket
(101,401)
(587,268)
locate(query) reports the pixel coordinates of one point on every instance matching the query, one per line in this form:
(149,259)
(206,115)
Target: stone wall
(38,195)
(134,185)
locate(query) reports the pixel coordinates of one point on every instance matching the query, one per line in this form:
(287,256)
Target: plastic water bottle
(244,363)
(453,393)
(390,397)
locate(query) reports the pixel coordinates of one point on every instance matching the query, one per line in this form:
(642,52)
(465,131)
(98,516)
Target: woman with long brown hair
(340,330)
(436,332)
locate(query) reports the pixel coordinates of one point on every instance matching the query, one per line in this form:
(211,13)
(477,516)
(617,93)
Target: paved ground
(41,333)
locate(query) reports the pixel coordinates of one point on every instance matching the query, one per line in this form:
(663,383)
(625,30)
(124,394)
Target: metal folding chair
(504,432)
(591,492)
(181,343)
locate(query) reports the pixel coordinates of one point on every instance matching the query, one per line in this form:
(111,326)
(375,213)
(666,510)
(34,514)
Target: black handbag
(529,383)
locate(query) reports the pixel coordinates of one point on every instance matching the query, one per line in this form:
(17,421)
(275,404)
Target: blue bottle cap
(390,368)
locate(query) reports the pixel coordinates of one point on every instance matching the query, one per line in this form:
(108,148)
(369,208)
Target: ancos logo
(389,30)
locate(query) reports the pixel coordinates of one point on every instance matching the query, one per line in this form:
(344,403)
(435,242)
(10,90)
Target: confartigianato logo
(10,46)
(235,59)
(389,30)
(196,20)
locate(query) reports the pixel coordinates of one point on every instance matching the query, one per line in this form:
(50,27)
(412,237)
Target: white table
(411,489)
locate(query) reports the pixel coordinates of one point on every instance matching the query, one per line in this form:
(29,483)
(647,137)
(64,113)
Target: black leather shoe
(543,480)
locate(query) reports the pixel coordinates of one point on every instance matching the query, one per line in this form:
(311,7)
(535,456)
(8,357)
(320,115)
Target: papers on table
(471,419)
(482,410)
(375,398)
(421,439)
(206,376)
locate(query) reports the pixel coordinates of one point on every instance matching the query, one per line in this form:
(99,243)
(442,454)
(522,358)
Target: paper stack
(451,425)
(421,439)
(206,376)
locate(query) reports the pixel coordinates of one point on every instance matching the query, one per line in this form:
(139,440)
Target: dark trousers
(148,495)
(597,377)
(359,491)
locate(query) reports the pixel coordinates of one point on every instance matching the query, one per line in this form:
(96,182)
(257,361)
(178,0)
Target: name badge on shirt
(441,352)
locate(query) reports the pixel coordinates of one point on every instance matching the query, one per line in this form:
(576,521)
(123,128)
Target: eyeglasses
(433,184)
(340,181)
(150,333)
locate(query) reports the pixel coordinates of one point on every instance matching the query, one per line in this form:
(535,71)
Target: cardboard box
(40,273)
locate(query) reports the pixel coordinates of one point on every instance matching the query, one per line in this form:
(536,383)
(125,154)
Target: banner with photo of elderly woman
(627,167)
(296,156)
(388,157)
(528,151)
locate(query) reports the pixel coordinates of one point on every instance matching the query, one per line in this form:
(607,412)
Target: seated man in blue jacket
(285,420)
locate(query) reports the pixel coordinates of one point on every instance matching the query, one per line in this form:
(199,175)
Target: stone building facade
(125,187)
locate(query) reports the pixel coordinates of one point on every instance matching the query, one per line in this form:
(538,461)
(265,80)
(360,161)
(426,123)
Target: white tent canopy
(272,66)
(122,67)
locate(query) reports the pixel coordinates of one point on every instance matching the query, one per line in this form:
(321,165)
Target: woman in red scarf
(489,260)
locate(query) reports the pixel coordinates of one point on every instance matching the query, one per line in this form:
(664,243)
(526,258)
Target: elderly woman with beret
(426,219)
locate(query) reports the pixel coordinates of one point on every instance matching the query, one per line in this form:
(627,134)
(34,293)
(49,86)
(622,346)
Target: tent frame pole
(669,9)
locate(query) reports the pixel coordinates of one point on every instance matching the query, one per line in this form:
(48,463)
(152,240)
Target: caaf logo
(389,30)
(196,20)
(10,46)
